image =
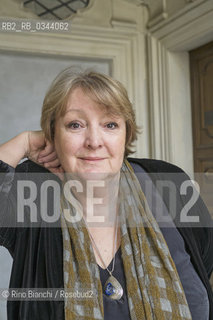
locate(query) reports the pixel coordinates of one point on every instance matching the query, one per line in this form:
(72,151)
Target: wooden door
(201,69)
(201,65)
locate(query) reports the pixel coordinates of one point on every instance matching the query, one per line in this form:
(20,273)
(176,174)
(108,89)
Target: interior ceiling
(55,9)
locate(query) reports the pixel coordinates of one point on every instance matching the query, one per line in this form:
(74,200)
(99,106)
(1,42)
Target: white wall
(24,79)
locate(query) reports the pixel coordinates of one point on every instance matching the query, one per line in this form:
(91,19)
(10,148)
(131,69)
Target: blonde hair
(103,89)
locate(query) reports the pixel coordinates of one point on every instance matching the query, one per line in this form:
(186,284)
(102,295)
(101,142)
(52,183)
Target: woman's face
(88,139)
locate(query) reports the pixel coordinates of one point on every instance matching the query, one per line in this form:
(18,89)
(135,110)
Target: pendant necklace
(112,287)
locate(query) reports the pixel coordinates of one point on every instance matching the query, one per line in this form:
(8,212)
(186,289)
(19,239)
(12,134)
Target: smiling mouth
(92,159)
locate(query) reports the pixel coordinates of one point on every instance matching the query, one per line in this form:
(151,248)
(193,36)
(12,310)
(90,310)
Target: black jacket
(198,240)
(38,252)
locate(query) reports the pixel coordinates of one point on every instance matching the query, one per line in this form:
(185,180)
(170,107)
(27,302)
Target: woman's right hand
(38,148)
(42,151)
(33,145)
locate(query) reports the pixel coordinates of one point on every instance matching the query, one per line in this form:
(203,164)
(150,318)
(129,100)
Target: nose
(94,139)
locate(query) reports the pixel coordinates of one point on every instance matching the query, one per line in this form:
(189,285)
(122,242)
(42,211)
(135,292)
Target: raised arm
(32,145)
(15,149)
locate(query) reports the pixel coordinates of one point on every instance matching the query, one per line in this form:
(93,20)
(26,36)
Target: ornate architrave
(169,81)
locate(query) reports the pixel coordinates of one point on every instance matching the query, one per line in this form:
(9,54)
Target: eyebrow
(106,114)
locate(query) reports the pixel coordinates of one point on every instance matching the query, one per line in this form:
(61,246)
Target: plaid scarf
(153,286)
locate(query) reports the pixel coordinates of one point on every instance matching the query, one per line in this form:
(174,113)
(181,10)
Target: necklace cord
(114,247)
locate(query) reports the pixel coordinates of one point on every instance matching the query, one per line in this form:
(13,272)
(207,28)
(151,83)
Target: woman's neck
(99,200)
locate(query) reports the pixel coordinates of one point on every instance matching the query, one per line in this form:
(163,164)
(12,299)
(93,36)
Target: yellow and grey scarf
(153,286)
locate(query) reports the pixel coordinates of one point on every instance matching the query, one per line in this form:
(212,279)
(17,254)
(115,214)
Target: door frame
(169,81)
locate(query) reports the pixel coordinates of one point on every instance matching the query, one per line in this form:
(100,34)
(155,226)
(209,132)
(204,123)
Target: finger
(49,148)
(50,157)
(52,164)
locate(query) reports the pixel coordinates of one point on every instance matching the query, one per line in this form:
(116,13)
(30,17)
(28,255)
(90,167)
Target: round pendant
(113,289)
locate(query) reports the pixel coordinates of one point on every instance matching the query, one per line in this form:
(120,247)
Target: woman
(108,242)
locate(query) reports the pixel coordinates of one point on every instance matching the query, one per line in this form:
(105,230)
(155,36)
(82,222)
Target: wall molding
(159,108)
(184,24)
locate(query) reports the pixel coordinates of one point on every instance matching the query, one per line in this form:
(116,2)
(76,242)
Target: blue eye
(112,125)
